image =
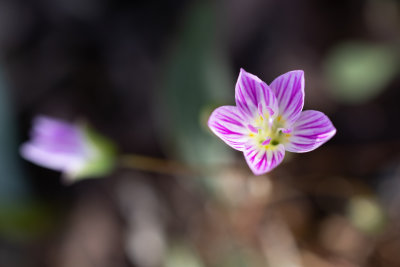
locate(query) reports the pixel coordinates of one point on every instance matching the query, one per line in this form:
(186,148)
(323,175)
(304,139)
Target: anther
(261,113)
(252,128)
(270,111)
(284,130)
(260,110)
(266,142)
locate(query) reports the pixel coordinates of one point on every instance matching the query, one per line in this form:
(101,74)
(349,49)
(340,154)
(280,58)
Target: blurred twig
(157,165)
(172,167)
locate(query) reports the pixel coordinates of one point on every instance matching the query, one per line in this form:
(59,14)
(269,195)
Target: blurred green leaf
(195,76)
(358,71)
(25,220)
(13,186)
(21,216)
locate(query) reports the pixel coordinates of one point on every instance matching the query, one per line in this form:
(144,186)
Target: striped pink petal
(253,96)
(289,91)
(262,160)
(311,130)
(228,124)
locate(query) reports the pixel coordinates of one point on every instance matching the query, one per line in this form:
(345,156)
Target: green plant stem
(157,165)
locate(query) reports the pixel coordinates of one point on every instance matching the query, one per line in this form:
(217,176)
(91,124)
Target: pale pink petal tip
(253,96)
(263,161)
(311,130)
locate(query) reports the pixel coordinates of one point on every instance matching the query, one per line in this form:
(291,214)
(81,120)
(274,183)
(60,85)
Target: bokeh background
(147,75)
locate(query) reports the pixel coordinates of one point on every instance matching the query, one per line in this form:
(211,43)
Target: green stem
(157,165)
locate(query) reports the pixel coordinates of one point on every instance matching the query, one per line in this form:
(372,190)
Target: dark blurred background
(147,75)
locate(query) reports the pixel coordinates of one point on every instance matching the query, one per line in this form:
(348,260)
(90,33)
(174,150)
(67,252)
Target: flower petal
(48,159)
(250,92)
(228,124)
(57,136)
(262,160)
(311,130)
(289,91)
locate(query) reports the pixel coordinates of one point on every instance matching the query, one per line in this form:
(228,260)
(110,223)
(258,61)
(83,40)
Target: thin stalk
(157,165)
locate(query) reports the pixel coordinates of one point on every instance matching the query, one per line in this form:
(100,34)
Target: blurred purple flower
(61,146)
(267,120)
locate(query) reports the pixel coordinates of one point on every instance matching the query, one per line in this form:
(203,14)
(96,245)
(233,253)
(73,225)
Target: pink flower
(267,120)
(75,150)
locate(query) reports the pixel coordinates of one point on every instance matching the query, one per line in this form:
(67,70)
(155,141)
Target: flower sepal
(101,161)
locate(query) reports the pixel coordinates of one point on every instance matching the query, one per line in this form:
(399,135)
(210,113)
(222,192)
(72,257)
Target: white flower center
(268,132)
